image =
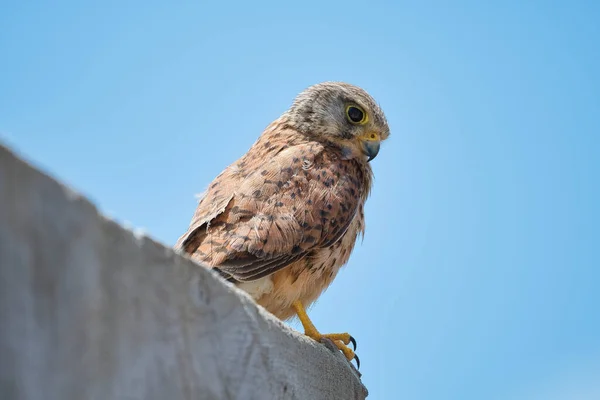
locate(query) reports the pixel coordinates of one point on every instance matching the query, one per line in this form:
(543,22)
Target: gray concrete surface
(89,310)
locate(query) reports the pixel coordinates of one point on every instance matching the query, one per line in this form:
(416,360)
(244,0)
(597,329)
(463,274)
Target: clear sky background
(479,274)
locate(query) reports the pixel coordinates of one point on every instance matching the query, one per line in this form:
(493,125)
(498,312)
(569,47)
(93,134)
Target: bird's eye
(356,115)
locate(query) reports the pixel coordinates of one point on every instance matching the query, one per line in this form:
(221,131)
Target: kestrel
(283,219)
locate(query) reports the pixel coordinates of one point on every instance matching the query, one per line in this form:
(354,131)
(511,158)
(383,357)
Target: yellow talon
(341,340)
(344,337)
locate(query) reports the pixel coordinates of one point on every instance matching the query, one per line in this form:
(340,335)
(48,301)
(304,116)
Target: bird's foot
(341,340)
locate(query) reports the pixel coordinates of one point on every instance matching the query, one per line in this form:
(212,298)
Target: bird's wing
(293,203)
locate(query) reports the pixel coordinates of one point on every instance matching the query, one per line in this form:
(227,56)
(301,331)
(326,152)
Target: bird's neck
(280,135)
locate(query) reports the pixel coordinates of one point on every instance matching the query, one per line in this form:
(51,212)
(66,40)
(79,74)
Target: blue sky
(478,276)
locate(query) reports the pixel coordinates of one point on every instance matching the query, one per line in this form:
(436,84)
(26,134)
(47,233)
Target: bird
(281,221)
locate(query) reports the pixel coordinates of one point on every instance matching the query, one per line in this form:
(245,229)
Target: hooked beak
(370,148)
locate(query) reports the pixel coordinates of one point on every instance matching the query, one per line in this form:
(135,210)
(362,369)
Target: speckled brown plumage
(283,219)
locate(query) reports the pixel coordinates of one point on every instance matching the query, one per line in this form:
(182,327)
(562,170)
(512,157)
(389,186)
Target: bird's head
(343,115)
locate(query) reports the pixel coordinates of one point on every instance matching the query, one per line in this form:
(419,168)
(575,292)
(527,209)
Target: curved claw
(353,342)
(357,361)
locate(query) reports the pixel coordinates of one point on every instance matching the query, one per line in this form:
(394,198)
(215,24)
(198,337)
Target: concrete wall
(89,310)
